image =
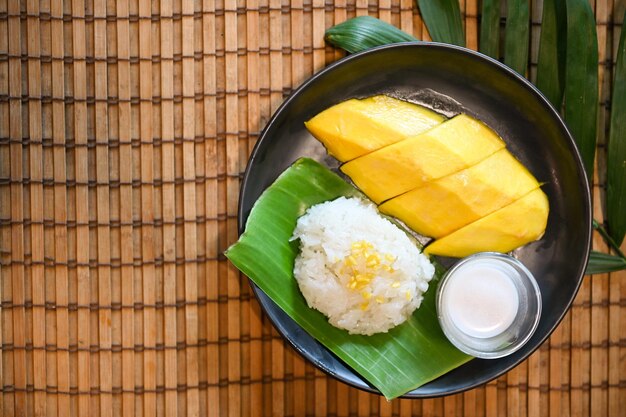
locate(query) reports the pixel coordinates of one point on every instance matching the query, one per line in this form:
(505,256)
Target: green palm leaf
(407,357)
(443,20)
(516,36)
(490,28)
(581,79)
(616,153)
(365,32)
(551,61)
(602,263)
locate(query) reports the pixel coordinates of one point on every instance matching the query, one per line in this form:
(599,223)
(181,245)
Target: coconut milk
(481,299)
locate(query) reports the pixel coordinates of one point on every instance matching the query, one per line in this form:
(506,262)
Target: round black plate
(452,80)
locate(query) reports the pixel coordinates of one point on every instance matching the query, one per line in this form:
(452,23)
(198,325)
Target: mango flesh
(451,146)
(356,127)
(510,227)
(444,205)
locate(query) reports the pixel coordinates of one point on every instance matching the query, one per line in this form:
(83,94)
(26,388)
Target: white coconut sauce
(481,299)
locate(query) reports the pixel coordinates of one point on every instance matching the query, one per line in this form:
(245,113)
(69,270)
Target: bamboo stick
(491,399)
(253,127)
(385,408)
(5,192)
(555,344)
(534,383)
(384,11)
(18,295)
(232,193)
(82,204)
(125,212)
(102,210)
(361,8)
(275,87)
(469,402)
(319,26)
(363,404)
(513,392)
(211,203)
(449,405)
(189,209)
(36,209)
(168,210)
(339,16)
(405,407)
(147,211)
(297,73)
(406,16)
(6,400)
(480,401)
(60,204)
(342,393)
(471,24)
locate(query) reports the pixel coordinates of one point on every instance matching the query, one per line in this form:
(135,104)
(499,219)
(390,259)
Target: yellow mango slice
(356,127)
(444,205)
(449,147)
(508,228)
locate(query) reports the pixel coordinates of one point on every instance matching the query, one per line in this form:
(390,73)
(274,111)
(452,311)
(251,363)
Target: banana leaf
(407,357)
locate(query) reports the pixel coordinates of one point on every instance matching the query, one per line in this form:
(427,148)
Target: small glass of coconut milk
(488,305)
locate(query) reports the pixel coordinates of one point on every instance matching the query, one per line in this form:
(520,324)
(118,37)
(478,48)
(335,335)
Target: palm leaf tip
(364,32)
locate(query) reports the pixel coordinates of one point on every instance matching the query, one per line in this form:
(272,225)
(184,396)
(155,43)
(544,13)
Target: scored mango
(444,205)
(358,126)
(508,228)
(454,145)
(453,180)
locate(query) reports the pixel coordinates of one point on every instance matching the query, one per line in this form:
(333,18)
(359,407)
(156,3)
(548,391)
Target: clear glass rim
(524,275)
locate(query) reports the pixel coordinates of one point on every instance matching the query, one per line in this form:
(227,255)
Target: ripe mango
(510,227)
(449,147)
(356,127)
(444,205)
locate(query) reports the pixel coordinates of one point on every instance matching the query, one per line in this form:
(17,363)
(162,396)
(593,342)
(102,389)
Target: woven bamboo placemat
(124,132)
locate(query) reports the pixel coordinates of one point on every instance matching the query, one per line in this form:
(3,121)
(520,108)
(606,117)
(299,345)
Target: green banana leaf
(407,357)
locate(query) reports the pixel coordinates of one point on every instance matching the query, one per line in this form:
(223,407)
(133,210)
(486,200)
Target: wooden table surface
(125,128)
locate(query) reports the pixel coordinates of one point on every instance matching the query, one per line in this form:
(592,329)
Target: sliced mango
(444,205)
(510,227)
(449,147)
(356,127)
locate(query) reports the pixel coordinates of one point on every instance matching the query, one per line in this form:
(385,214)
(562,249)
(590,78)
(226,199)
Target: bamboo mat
(124,132)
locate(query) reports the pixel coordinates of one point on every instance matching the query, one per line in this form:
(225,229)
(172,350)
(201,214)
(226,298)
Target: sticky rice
(358,268)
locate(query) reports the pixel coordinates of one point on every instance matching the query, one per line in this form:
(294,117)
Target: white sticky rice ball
(358,268)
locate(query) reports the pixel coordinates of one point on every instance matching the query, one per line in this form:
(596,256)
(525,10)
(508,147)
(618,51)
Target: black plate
(452,80)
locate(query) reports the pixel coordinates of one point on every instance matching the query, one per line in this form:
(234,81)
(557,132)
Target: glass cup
(488,305)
